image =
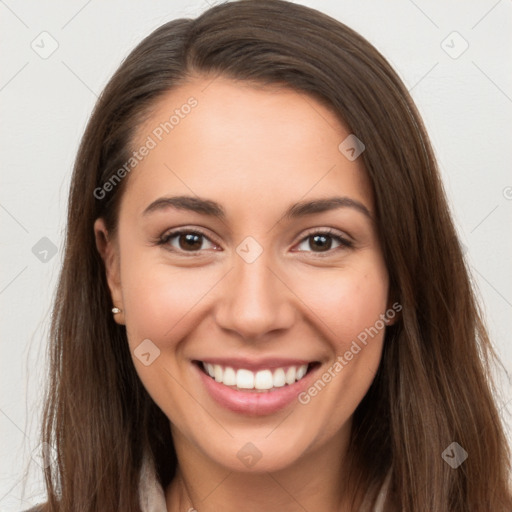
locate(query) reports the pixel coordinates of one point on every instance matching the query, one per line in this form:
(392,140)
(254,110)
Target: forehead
(216,136)
(222,104)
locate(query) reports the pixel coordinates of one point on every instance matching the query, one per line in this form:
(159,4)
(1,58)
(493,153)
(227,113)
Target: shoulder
(381,498)
(37,508)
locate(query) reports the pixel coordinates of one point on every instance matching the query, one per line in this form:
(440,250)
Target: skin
(255,151)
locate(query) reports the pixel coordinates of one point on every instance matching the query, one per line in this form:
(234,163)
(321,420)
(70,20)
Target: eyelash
(344,243)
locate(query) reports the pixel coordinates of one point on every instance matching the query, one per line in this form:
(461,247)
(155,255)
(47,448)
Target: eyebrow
(213,209)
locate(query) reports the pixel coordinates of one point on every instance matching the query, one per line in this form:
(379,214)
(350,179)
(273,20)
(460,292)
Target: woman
(263,303)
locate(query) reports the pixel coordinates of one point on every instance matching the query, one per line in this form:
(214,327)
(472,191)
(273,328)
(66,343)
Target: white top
(152,496)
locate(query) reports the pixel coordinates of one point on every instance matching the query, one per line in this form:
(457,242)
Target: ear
(393,311)
(109,251)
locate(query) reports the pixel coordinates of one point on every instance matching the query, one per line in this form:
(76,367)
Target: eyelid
(172,233)
(345,241)
(327,231)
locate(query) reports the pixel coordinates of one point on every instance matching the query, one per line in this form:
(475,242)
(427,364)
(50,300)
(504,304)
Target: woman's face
(246,242)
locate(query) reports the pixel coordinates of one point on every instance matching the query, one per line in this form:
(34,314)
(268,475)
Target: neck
(315,481)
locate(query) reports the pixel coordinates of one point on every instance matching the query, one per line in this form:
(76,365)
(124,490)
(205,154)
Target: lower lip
(253,403)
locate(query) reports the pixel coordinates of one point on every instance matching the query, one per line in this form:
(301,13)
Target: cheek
(162,304)
(348,305)
(347,301)
(158,297)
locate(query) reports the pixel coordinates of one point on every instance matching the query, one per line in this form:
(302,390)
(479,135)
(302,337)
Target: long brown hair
(433,386)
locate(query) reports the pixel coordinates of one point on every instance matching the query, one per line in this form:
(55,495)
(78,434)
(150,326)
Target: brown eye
(187,241)
(190,241)
(323,241)
(320,242)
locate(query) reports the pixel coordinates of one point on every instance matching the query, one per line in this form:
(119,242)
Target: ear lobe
(109,252)
(393,313)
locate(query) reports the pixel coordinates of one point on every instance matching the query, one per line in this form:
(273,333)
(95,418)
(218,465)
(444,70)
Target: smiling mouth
(261,381)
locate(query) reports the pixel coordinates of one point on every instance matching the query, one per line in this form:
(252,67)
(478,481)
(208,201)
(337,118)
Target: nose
(254,300)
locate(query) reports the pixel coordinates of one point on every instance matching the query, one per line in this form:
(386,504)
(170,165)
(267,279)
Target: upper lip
(256,364)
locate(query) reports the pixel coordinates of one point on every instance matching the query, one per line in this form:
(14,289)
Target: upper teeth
(262,379)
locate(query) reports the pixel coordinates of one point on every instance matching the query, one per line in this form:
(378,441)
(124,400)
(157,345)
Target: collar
(151,492)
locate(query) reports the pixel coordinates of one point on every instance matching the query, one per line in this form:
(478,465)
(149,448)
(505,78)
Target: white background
(466,103)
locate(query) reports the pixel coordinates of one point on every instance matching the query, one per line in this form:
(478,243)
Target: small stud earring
(115,311)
